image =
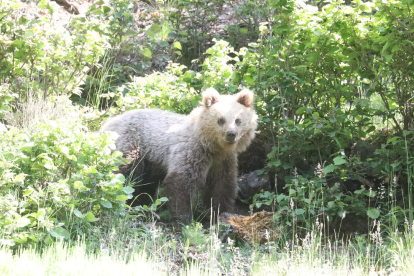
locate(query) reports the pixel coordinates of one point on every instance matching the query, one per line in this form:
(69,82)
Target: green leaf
(177,45)
(106,9)
(339,160)
(155,28)
(78,213)
(146,52)
(27,192)
(128,190)
(121,197)
(395,138)
(120,177)
(306,200)
(163,199)
(78,185)
(28,33)
(106,204)
(22,222)
(27,147)
(281,197)
(299,212)
(90,217)
(373,213)
(329,169)
(363,7)
(60,233)
(301,110)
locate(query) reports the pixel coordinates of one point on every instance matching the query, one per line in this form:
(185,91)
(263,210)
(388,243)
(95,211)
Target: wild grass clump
(159,251)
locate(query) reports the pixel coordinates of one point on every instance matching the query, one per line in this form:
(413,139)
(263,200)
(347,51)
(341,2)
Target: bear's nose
(230,136)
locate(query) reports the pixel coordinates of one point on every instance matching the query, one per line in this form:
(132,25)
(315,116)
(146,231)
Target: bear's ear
(245,97)
(210,97)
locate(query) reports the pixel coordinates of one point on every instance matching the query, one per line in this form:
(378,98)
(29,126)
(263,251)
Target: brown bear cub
(191,155)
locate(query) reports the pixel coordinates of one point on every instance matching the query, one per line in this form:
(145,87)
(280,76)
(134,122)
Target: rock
(252,183)
(259,228)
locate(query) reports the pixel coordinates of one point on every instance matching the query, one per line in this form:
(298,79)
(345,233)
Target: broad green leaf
(329,169)
(301,110)
(281,197)
(155,28)
(28,33)
(78,185)
(373,213)
(339,160)
(60,233)
(33,238)
(363,7)
(106,204)
(299,212)
(78,213)
(177,45)
(120,177)
(92,169)
(146,52)
(90,217)
(27,192)
(121,197)
(106,9)
(128,190)
(395,138)
(27,147)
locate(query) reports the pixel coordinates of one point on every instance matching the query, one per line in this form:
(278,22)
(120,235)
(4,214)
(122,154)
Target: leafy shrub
(179,89)
(306,199)
(39,57)
(56,181)
(316,72)
(192,22)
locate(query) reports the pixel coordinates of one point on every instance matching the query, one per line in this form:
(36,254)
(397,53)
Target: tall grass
(156,254)
(60,259)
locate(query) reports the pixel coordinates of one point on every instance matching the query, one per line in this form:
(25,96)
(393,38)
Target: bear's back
(154,132)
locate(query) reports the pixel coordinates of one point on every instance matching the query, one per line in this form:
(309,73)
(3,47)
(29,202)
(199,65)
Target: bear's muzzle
(231,137)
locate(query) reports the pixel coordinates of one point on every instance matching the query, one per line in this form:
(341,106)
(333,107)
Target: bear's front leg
(184,180)
(221,190)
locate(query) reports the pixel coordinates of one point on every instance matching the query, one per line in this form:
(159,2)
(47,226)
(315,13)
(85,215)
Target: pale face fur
(227,121)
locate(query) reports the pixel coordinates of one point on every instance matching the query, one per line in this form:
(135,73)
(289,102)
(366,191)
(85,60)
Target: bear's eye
(221,121)
(238,122)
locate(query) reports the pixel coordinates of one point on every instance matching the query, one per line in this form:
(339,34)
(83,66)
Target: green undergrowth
(158,251)
(57,178)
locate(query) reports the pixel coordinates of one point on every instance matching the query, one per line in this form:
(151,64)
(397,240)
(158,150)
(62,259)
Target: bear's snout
(231,136)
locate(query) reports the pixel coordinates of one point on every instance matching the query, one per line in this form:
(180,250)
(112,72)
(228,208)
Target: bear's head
(227,121)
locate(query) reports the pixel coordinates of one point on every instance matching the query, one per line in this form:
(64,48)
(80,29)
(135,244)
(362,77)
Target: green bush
(56,181)
(179,89)
(40,57)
